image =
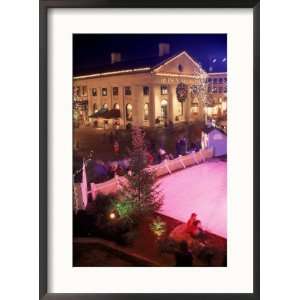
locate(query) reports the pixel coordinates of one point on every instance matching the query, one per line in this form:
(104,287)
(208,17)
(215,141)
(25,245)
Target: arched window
(117,106)
(129,112)
(105,106)
(146,111)
(164,109)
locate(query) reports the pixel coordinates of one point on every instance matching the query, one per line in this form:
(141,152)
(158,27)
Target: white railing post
(167,166)
(83,185)
(202,156)
(180,159)
(194,157)
(93,191)
(118,185)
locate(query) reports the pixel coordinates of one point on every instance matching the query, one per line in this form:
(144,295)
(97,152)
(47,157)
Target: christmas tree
(141,188)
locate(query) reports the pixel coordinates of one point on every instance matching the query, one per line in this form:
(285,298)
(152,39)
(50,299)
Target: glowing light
(224,105)
(180,76)
(158,227)
(112,215)
(111,73)
(209,111)
(214,60)
(124,208)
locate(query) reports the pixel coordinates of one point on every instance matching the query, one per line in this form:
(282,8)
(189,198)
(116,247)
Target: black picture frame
(43,145)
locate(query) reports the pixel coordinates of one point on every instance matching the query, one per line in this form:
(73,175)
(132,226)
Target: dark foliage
(95,221)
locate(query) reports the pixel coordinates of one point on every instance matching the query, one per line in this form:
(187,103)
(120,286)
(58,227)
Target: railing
(164,168)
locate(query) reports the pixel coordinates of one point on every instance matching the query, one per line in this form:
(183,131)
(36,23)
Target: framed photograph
(149,149)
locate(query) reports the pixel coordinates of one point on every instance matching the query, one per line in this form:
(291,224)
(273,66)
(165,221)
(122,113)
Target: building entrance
(164,110)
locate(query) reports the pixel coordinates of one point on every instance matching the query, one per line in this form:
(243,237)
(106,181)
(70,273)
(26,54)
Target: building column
(90,101)
(188,106)
(172,98)
(153,109)
(138,106)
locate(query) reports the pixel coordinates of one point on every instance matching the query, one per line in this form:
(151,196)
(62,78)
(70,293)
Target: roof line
(167,60)
(112,73)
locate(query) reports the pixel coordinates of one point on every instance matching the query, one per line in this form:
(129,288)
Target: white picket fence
(166,167)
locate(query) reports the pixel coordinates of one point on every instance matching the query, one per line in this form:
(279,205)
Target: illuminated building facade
(216,104)
(146,92)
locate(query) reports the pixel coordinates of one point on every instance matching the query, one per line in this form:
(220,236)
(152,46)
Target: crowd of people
(100,171)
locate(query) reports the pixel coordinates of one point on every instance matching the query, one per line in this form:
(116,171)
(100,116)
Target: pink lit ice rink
(201,189)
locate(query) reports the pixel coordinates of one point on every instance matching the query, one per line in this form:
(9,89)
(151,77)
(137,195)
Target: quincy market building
(146,92)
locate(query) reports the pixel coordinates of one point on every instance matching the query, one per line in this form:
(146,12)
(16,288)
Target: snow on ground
(201,189)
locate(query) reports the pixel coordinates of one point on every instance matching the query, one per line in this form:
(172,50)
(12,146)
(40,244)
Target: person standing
(116,148)
(183,257)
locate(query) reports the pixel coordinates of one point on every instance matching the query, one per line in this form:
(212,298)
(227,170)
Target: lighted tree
(141,189)
(200,88)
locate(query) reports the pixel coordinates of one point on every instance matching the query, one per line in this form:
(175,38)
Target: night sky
(94,49)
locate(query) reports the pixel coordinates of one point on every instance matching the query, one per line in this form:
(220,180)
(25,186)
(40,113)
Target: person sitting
(183,257)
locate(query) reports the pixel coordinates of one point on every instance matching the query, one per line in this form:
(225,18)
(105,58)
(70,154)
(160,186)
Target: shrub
(100,208)
(167,245)
(83,224)
(96,220)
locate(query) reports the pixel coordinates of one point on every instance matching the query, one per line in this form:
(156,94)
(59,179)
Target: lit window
(94,91)
(146,111)
(94,107)
(127,90)
(116,106)
(163,90)
(220,90)
(84,90)
(146,90)
(105,106)
(129,112)
(195,106)
(115,91)
(104,91)
(179,108)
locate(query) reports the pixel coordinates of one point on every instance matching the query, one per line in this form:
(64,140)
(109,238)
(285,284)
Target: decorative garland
(181,92)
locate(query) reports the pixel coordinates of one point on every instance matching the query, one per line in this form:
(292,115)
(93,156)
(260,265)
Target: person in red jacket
(116,147)
(189,224)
